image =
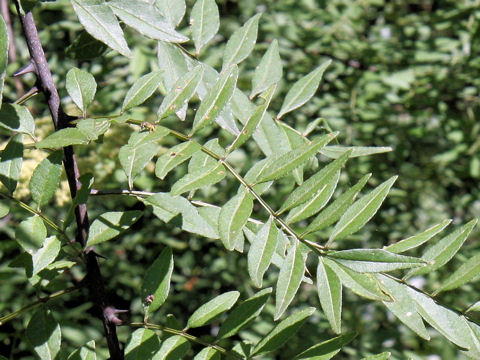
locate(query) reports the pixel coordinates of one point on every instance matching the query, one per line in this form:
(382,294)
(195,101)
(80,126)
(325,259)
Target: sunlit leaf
(205,21)
(290,277)
(44,334)
(4,44)
(143,344)
(46,254)
(403,306)
(81,87)
(365,285)
(86,352)
(11,159)
(31,233)
(241,43)
(141,90)
(100,22)
(173,10)
(261,251)
(269,71)
(146,19)
(181,92)
(45,178)
(327,349)
(358,214)
(279,166)
(337,208)
(208,353)
(216,99)
(254,120)
(335,151)
(244,313)
(210,310)
(282,332)
(172,62)
(157,280)
(173,348)
(303,90)
(62,138)
(141,148)
(111,224)
(374,260)
(174,157)
(195,180)
(441,252)
(233,217)
(17,118)
(330,294)
(417,240)
(464,274)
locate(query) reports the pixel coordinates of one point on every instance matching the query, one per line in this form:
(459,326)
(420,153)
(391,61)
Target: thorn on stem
(110,314)
(26,69)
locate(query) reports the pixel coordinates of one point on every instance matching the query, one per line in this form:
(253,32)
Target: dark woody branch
(46,85)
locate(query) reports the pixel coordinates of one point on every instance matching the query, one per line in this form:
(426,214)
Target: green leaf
(253,120)
(330,294)
(358,214)
(81,86)
(45,178)
(208,353)
(100,22)
(11,159)
(143,344)
(337,208)
(252,175)
(3,54)
(173,10)
(315,203)
(165,207)
(17,118)
(172,62)
(146,19)
(174,157)
(447,322)
(173,348)
(382,356)
(216,99)
(141,148)
(141,90)
(62,138)
(419,239)
(268,72)
(192,181)
(93,128)
(31,234)
(157,280)
(111,224)
(46,254)
(243,314)
(440,253)
(233,217)
(261,251)
(314,184)
(290,277)
(282,332)
(327,349)
(335,151)
(86,352)
(210,310)
(279,166)
(44,334)
(365,285)
(181,92)
(205,21)
(374,260)
(241,43)
(303,90)
(4,209)
(464,274)
(403,306)
(200,160)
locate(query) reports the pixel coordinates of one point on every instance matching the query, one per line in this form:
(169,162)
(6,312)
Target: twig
(46,85)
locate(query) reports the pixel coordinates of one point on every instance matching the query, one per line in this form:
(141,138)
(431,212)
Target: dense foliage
(243,158)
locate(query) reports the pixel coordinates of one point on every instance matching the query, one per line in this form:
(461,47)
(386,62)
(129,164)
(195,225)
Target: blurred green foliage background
(405,74)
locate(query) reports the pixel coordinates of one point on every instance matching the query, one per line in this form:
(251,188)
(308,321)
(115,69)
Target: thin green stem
(40,301)
(188,337)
